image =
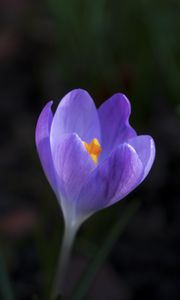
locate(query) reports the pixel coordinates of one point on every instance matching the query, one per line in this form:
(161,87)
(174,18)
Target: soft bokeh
(46,49)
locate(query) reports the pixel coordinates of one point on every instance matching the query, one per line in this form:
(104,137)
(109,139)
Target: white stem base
(67,242)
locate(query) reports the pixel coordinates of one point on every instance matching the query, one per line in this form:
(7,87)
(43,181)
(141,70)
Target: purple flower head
(92,158)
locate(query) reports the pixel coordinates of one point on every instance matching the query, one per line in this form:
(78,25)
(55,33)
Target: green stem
(67,242)
(5,284)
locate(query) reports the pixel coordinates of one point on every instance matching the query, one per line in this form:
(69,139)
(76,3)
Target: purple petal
(145,148)
(111,181)
(43,143)
(114,120)
(73,165)
(76,113)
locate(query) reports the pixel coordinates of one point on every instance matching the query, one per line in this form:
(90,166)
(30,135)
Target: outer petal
(110,181)
(76,113)
(73,165)
(145,148)
(114,119)
(43,143)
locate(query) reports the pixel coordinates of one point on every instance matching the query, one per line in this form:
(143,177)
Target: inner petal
(94,149)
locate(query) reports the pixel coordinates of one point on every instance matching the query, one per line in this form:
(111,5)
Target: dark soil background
(46,49)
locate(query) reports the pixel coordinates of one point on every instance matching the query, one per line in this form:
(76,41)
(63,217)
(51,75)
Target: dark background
(46,49)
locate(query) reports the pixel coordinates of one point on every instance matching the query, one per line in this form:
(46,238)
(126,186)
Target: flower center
(94,149)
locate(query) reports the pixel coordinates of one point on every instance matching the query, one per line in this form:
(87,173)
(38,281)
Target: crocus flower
(92,157)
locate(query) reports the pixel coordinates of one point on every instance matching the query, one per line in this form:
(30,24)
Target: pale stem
(62,264)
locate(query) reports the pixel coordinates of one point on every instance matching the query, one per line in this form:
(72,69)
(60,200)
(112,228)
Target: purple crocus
(92,157)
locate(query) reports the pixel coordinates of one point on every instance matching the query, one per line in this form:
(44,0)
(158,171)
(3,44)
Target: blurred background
(48,48)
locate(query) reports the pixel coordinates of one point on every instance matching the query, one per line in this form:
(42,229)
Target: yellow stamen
(94,149)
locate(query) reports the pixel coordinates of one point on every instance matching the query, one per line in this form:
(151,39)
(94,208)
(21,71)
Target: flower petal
(43,143)
(145,148)
(111,181)
(114,120)
(76,113)
(73,165)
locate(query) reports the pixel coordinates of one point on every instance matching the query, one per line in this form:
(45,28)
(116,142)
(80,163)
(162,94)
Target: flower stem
(67,242)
